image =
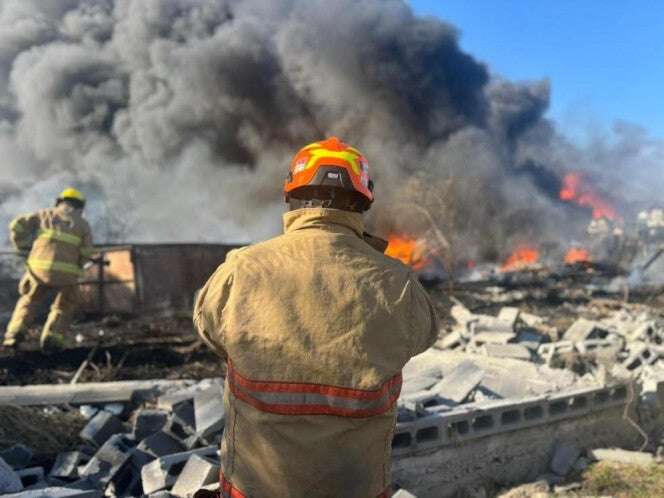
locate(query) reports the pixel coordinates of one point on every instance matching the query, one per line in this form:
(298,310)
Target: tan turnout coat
(58,241)
(316,326)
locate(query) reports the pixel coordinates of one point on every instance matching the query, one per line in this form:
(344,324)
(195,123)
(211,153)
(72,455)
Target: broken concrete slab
(10,482)
(616,455)
(162,472)
(515,351)
(452,340)
(417,384)
(487,323)
(17,456)
(460,383)
(88,393)
(100,427)
(183,419)
(148,422)
(57,492)
(209,411)
(565,455)
(583,329)
(197,472)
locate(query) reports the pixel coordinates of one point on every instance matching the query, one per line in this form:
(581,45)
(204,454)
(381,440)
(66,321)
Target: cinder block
(515,351)
(57,492)
(67,463)
(584,329)
(197,472)
(183,419)
(209,411)
(148,422)
(110,458)
(30,477)
(10,482)
(18,456)
(458,385)
(509,314)
(493,338)
(160,444)
(162,472)
(101,427)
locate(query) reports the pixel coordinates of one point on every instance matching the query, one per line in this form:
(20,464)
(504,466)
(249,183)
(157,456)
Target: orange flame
(575,190)
(577,255)
(521,258)
(409,251)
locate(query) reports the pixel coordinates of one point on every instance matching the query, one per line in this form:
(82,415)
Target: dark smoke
(179,117)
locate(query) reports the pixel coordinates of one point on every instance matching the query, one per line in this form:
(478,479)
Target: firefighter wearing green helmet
(56,242)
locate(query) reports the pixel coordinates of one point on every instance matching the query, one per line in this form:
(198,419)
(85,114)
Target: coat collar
(323,218)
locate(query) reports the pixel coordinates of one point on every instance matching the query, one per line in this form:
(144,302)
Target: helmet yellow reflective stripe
(46,265)
(72,193)
(67,238)
(317,154)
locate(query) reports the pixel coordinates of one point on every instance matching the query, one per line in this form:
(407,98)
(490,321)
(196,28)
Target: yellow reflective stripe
(16,226)
(44,264)
(67,238)
(344,155)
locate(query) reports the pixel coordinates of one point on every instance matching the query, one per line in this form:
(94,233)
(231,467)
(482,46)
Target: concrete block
(139,458)
(487,323)
(418,402)
(162,472)
(509,314)
(584,329)
(461,314)
(168,401)
(197,472)
(516,351)
(452,340)
(565,456)
(493,338)
(110,458)
(460,383)
(10,482)
(17,456)
(30,477)
(183,419)
(623,456)
(209,411)
(67,463)
(57,492)
(640,354)
(148,422)
(88,411)
(161,443)
(402,493)
(102,426)
(416,384)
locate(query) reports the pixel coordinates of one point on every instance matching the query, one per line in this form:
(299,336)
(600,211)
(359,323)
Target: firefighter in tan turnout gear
(57,241)
(315,325)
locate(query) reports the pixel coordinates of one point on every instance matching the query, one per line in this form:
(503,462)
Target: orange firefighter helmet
(330,163)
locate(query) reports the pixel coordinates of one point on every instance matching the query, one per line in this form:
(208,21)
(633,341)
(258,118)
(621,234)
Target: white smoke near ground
(178,118)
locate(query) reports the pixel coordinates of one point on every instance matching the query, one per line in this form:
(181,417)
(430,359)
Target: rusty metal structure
(136,278)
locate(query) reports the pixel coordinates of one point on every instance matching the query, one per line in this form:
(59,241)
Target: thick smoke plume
(178,118)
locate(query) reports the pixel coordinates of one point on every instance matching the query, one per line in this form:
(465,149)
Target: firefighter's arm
(425,325)
(23,230)
(209,307)
(86,249)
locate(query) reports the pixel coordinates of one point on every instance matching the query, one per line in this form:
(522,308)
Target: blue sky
(604,58)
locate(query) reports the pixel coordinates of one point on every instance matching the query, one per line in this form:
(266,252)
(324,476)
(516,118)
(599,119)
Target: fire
(575,190)
(409,251)
(577,255)
(521,258)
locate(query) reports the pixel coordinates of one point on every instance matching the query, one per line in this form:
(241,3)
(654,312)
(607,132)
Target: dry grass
(45,433)
(624,481)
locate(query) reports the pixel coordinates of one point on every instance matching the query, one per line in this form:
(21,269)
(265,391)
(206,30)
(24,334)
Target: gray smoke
(178,118)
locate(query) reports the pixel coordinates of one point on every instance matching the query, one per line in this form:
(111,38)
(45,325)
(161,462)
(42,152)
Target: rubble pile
(166,448)
(625,344)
